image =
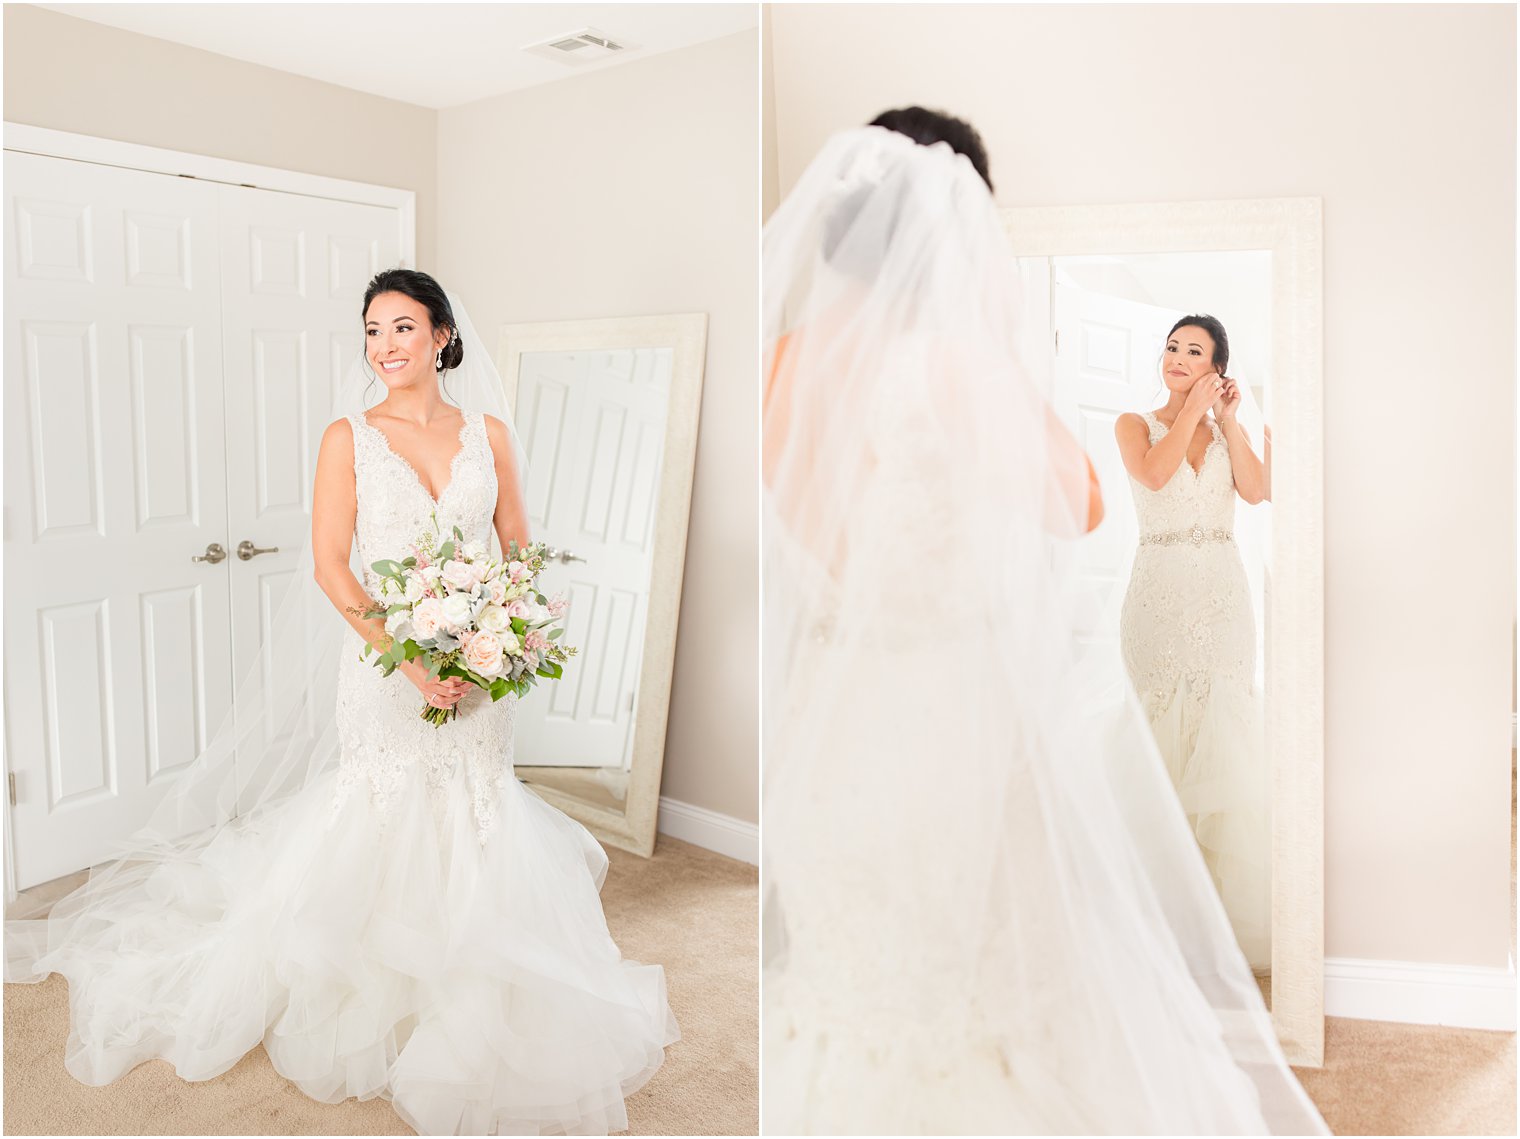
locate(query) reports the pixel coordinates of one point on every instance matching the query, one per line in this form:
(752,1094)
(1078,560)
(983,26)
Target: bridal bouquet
(469,616)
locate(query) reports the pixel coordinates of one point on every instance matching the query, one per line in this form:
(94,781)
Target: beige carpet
(1413,1079)
(690,910)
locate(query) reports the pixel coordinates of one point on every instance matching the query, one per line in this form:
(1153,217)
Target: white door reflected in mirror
(593,426)
(608,412)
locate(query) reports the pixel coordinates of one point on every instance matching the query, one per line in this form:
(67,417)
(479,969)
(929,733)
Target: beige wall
(1402,120)
(770,188)
(631,192)
(74,75)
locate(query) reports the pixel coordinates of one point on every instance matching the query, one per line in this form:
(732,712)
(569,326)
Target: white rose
(457,610)
(494,619)
(431,574)
(461,575)
(389,589)
(399,625)
(415,587)
(427,618)
(509,643)
(537,614)
(483,655)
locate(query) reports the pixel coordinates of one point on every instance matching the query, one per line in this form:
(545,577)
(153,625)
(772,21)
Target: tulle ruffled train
(393,954)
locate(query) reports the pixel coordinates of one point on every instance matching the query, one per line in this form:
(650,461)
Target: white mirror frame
(1291,229)
(633,828)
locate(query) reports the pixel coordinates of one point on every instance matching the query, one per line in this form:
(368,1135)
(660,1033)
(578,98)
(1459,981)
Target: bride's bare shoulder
(338,439)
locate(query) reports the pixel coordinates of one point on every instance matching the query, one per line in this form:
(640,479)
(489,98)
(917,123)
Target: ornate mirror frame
(1291,229)
(633,828)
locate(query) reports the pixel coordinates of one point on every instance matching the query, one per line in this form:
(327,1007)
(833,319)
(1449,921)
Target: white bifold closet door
(170,351)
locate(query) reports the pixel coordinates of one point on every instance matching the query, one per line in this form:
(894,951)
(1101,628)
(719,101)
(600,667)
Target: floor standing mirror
(607,411)
(1102,288)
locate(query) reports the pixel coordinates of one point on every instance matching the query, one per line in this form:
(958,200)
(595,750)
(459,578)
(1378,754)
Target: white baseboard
(1458,996)
(722,834)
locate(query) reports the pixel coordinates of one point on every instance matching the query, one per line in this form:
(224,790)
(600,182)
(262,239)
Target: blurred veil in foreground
(984,909)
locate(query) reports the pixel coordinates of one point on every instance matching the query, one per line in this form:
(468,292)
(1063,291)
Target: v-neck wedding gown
(414,924)
(1188,636)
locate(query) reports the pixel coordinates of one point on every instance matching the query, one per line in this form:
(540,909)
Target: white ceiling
(432,55)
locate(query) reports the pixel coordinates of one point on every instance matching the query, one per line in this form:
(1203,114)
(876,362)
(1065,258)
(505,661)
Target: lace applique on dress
(380,733)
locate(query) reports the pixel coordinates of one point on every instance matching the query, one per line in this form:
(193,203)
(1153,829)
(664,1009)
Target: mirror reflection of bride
(1187,631)
(985,912)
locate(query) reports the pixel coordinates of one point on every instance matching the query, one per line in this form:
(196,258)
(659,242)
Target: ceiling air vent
(584,46)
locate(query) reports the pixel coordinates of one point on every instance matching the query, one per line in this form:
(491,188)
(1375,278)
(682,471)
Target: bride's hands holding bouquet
(443,693)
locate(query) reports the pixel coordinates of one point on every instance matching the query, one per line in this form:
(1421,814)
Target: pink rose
(497,589)
(427,618)
(483,654)
(461,575)
(519,608)
(516,570)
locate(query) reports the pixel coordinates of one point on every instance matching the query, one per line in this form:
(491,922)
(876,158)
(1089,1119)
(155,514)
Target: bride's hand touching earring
(1229,401)
(1203,395)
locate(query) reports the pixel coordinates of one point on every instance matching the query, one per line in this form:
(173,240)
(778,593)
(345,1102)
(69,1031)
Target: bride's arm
(1249,471)
(511,517)
(334,507)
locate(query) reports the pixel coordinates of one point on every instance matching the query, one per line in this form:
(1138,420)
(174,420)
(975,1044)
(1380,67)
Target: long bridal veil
(278,738)
(984,909)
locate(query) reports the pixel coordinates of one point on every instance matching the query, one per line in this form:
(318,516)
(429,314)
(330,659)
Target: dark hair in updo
(1211,325)
(927,127)
(429,294)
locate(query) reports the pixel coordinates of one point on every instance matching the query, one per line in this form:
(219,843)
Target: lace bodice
(393,508)
(1205,499)
(1186,624)
(380,731)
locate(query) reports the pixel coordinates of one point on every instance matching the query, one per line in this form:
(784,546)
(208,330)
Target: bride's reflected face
(1189,356)
(400,341)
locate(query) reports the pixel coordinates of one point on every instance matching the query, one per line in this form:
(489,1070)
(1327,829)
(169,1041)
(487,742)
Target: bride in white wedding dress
(984,911)
(1187,630)
(378,901)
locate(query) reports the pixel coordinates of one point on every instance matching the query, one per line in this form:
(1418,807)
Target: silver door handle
(214,553)
(248,551)
(563,555)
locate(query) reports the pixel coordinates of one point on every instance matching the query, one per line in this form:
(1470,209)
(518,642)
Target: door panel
(171,351)
(292,277)
(594,433)
(116,643)
(1107,351)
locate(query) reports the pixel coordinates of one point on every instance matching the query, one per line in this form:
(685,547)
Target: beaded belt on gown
(1197,536)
